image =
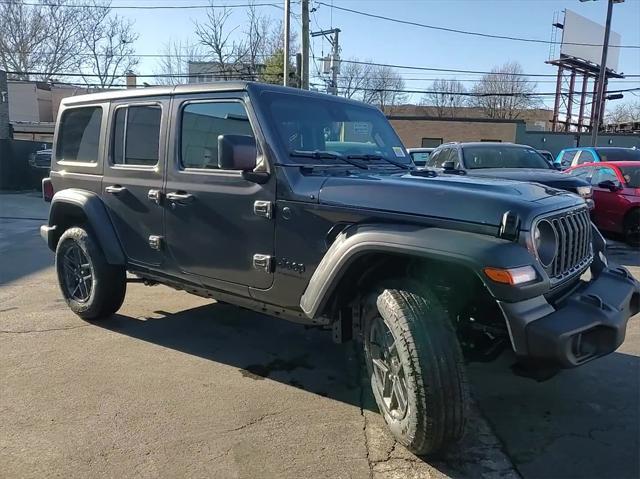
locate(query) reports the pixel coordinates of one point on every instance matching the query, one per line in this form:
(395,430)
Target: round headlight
(545,242)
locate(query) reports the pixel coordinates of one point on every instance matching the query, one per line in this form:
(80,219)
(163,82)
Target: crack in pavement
(361,382)
(254,421)
(29,331)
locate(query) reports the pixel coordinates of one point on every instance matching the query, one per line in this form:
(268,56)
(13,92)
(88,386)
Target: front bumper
(589,323)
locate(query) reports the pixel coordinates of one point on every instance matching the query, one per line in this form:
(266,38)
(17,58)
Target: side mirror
(449,165)
(609,185)
(237,152)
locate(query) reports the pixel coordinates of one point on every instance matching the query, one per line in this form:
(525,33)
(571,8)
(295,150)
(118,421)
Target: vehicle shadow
(583,423)
(258,346)
(22,251)
(622,253)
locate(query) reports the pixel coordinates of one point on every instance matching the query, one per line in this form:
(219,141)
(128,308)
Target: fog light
(512,276)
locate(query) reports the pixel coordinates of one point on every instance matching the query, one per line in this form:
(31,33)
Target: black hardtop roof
(214,87)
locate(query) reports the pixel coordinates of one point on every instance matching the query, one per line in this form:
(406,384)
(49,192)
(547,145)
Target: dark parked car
(41,159)
(307,207)
(616,191)
(505,160)
(578,156)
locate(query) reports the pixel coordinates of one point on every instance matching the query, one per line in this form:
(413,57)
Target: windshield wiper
(380,157)
(327,155)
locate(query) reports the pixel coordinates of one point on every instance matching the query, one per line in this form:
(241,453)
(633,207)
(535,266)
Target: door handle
(155,196)
(180,198)
(115,189)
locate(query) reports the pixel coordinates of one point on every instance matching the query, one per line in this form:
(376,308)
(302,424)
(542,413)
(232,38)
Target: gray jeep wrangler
(308,207)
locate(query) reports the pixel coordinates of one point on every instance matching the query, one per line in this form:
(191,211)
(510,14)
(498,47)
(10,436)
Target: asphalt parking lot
(178,386)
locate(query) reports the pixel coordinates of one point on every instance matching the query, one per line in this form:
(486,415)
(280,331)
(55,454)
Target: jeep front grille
(573,230)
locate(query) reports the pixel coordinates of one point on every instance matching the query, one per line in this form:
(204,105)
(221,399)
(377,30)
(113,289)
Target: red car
(616,192)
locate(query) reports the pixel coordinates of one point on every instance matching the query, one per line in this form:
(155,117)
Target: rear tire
(91,287)
(632,228)
(428,366)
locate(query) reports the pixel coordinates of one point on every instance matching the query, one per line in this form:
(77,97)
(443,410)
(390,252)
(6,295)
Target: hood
(458,198)
(553,178)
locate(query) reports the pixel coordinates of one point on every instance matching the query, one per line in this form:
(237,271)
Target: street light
(599,99)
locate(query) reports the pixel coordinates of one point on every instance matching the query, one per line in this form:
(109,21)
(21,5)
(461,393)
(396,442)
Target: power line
(412,67)
(390,90)
(466,32)
(148,7)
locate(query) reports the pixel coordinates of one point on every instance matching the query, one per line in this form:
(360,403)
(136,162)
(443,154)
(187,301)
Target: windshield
(476,157)
(631,175)
(618,154)
(314,124)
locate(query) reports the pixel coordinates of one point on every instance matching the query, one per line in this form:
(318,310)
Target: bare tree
(108,42)
(353,78)
(38,40)
(216,37)
(505,92)
(624,113)
(377,85)
(173,66)
(445,96)
(384,87)
(248,54)
(257,37)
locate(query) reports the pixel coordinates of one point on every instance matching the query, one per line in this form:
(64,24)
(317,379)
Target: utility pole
(334,61)
(305,46)
(287,36)
(598,101)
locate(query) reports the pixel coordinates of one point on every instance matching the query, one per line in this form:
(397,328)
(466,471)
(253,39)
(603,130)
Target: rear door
(133,177)
(223,221)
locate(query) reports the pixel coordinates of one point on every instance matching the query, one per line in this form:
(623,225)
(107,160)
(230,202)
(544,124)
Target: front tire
(91,287)
(416,369)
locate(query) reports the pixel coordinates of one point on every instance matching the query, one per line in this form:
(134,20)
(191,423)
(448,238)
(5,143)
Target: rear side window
(433,158)
(136,135)
(586,157)
(202,123)
(79,136)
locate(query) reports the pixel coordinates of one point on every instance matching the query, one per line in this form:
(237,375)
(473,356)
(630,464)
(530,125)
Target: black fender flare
(472,250)
(97,218)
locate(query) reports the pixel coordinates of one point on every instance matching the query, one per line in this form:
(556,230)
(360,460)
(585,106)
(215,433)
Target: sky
(386,42)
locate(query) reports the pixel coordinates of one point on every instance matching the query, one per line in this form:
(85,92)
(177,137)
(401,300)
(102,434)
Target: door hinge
(155,242)
(263,208)
(263,262)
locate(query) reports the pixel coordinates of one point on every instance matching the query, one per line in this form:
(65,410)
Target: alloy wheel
(389,376)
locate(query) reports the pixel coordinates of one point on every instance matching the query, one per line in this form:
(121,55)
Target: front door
(213,227)
(606,214)
(133,177)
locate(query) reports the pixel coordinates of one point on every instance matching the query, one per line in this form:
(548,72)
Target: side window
(586,157)
(136,135)
(583,173)
(433,158)
(202,123)
(567,158)
(79,136)
(450,154)
(604,174)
